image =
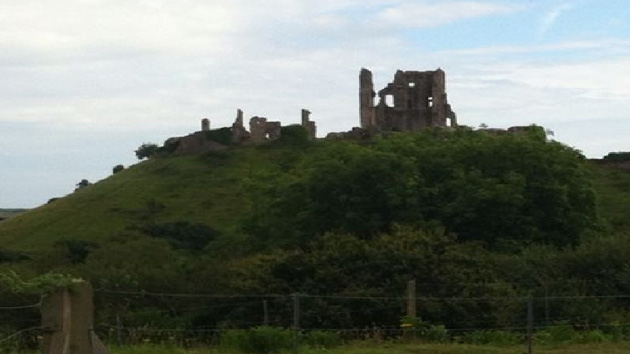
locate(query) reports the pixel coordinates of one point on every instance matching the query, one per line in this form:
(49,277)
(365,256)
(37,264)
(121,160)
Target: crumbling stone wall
(309,125)
(414,100)
(261,130)
(205,125)
(239,133)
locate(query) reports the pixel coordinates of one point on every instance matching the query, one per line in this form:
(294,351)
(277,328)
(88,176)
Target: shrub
(617,156)
(258,340)
(77,250)
(117,169)
(435,334)
(594,336)
(493,337)
(561,333)
(183,235)
(322,339)
(146,150)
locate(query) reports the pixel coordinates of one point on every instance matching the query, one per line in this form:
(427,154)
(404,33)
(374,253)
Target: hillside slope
(214,189)
(211,189)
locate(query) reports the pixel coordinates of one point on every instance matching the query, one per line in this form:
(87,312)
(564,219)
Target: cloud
(431,14)
(67,28)
(96,78)
(550,18)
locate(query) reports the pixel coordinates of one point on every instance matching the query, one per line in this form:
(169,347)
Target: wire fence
(188,319)
(202,319)
(20,323)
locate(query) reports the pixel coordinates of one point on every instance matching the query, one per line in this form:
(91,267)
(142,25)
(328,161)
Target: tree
(146,150)
(117,169)
(82,184)
(505,190)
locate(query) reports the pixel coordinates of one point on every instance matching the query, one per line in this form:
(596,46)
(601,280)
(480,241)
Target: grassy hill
(212,189)
(254,197)
(209,188)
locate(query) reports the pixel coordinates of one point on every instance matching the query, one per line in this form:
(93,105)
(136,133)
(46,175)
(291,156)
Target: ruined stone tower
(414,100)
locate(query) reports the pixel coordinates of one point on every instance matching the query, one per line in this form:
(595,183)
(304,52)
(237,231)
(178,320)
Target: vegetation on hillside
(468,214)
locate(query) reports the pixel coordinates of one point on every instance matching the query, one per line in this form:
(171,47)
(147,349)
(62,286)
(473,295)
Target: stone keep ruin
(413,101)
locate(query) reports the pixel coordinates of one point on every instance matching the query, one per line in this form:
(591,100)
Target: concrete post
(68,322)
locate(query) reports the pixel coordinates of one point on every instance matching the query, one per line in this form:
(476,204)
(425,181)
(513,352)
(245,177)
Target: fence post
(296,322)
(411,299)
(118,328)
(68,322)
(410,332)
(547,316)
(530,322)
(265,313)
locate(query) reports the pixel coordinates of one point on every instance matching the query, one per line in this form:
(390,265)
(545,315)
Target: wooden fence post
(68,322)
(411,299)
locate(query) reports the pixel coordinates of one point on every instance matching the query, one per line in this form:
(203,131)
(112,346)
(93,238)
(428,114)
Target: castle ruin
(413,101)
(260,131)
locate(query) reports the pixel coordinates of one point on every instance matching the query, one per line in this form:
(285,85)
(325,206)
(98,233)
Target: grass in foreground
(390,348)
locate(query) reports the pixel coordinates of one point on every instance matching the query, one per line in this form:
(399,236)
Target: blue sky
(85,82)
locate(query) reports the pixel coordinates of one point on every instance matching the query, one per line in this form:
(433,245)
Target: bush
(77,250)
(617,156)
(117,169)
(561,333)
(146,150)
(493,337)
(322,339)
(594,336)
(258,340)
(183,235)
(435,334)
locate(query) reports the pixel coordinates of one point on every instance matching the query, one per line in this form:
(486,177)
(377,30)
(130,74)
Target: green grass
(390,348)
(211,188)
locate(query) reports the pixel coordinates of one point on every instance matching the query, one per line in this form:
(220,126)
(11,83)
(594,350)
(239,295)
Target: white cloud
(99,77)
(431,14)
(67,27)
(549,19)
(602,79)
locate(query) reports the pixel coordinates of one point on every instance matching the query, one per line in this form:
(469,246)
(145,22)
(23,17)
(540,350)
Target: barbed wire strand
(301,295)
(20,332)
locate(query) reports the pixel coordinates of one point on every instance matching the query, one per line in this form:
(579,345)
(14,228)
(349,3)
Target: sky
(83,83)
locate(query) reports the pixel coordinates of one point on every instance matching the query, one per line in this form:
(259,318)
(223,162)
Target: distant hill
(8,213)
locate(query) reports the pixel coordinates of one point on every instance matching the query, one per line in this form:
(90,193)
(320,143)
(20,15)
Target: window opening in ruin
(389,100)
(430,102)
(412,84)
(267,136)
